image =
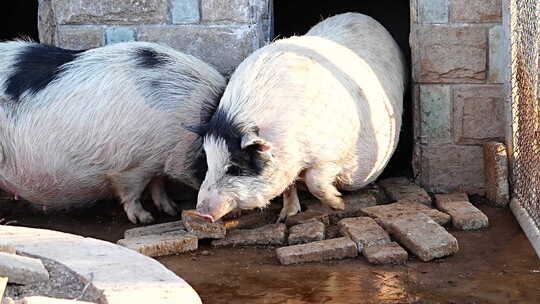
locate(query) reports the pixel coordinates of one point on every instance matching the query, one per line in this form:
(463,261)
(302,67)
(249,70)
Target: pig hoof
(141,216)
(169,208)
(338,204)
(286,212)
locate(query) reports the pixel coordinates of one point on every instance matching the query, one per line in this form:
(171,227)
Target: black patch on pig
(149,58)
(35,67)
(248,162)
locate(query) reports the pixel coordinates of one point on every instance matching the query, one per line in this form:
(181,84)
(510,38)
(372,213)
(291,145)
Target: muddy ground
(497,265)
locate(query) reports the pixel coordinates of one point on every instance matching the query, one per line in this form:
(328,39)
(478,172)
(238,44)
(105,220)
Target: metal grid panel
(524,39)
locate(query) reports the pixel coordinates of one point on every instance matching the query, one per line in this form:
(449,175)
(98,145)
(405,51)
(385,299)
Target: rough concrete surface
(22,270)
(388,253)
(423,236)
(306,233)
(273,234)
(384,215)
(465,216)
(201,228)
(160,245)
(339,248)
(364,231)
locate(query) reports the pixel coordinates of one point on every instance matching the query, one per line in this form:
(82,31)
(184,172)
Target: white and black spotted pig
(324,108)
(79,126)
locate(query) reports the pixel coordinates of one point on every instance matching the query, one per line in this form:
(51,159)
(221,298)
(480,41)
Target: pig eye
(233,170)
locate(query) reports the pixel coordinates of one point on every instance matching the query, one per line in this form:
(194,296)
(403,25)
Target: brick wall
(458,54)
(199,27)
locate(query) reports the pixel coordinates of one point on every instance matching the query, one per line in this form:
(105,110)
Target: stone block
(435,114)
(251,220)
(389,253)
(307,216)
(46,22)
(339,248)
(364,231)
(170,227)
(479,113)
(8,249)
(201,228)
(118,34)
(203,41)
(450,54)
(332,232)
(433,11)
(405,192)
(306,233)
(498,61)
(160,245)
(385,215)
(75,12)
(496,173)
(476,11)
(423,237)
(226,11)
(376,191)
(465,216)
(452,168)
(49,300)
(80,37)
(353,203)
(185,11)
(22,270)
(273,234)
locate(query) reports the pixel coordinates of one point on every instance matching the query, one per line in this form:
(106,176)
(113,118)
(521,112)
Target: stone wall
(458,55)
(221,32)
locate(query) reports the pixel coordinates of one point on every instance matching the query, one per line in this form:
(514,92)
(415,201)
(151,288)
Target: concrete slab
(22,270)
(123,275)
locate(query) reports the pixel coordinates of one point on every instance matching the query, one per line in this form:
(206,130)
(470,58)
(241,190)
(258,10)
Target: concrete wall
(459,59)
(221,32)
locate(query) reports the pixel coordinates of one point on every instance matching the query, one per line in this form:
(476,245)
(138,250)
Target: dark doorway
(18,19)
(296,17)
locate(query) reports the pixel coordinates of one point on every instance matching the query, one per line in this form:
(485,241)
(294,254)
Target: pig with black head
(79,126)
(324,108)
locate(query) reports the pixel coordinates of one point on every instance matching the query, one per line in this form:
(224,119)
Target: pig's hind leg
(291,203)
(160,197)
(128,186)
(321,183)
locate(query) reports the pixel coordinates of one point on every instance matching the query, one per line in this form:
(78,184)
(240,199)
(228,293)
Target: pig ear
(252,140)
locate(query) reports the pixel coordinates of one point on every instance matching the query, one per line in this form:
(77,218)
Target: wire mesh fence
(524,39)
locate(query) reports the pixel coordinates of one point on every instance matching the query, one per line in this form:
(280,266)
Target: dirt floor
(497,265)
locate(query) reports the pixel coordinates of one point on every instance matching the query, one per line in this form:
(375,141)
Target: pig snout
(213,211)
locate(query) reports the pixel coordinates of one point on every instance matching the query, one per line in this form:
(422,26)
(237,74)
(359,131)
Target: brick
(8,249)
(452,168)
(118,34)
(497,55)
(354,202)
(476,11)
(170,227)
(402,191)
(202,40)
(76,12)
(306,233)
(160,245)
(339,248)
(49,300)
(307,216)
(80,37)
(389,253)
(273,234)
(496,173)
(226,11)
(185,11)
(332,232)
(364,231)
(251,220)
(435,114)
(423,237)
(22,270)
(201,228)
(450,54)
(465,216)
(432,11)
(374,190)
(385,215)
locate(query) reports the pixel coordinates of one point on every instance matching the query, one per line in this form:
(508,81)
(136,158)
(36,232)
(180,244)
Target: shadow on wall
(18,19)
(296,17)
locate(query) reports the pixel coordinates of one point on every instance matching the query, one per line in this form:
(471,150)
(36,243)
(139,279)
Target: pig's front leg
(128,186)
(320,182)
(291,203)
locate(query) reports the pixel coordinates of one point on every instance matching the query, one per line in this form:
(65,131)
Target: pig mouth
(206,217)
